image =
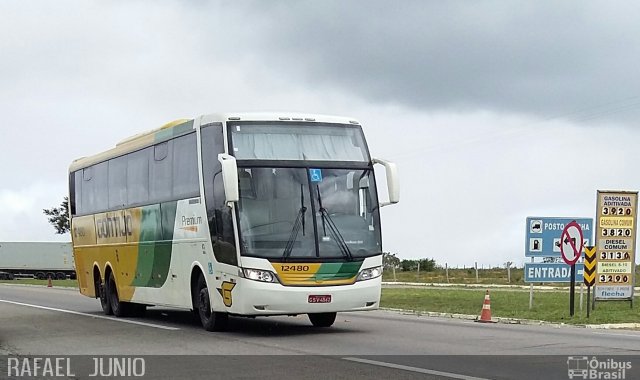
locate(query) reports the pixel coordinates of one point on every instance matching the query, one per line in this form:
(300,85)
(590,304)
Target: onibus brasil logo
(585,368)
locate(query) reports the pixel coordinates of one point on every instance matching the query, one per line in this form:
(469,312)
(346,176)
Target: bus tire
(322,319)
(103,295)
(211,321)
(120,309)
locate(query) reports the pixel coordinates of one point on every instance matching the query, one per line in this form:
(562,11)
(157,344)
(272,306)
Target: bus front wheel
(322,319)
(211,321)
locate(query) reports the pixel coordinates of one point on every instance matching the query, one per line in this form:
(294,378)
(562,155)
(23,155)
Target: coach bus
(232,214)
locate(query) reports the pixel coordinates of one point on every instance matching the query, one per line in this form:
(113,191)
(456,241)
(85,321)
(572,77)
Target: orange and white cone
(49,284)
(485,315)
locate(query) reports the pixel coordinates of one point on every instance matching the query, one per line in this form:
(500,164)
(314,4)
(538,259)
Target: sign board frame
(547,232)
(616,227)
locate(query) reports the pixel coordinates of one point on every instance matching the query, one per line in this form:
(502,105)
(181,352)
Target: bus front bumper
(259,298)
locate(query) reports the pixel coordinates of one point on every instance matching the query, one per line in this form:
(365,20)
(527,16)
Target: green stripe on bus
(163,246)
(177,130)
(154,249)
(338,271)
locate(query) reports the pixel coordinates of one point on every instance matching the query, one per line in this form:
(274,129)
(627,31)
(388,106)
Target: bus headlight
(259,275)
(368,274)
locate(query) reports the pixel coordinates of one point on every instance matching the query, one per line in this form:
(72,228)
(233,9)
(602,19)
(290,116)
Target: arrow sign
(589,266)
(571,243)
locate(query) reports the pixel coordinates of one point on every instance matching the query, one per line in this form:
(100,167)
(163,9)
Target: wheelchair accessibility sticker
(315,175)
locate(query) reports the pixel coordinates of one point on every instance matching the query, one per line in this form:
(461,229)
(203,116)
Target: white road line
(620,334)
(93,315)
(414,369)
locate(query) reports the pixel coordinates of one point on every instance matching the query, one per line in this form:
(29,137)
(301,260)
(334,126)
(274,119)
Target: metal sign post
(571,245)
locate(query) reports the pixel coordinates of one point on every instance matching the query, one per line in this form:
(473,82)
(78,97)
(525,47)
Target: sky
(492,110)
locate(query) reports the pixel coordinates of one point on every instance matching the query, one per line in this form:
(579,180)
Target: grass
(30,281)
(547,306)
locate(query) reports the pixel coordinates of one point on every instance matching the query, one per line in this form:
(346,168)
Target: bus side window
(218,214)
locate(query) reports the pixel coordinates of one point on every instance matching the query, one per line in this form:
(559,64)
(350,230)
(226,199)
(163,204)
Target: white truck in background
(41,260)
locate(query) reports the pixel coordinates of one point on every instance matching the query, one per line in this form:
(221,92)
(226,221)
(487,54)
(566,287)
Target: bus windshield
(306,213)
(289,141)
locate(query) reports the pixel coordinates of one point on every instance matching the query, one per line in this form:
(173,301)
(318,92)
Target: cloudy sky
(493,110)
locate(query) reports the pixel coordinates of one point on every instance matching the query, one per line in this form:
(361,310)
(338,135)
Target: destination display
(616,242)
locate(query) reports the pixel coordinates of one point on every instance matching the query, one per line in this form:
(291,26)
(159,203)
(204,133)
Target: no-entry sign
(571,243)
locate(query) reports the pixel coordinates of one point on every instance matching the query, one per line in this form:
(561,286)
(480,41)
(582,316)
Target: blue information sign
(544,233)
(551,272)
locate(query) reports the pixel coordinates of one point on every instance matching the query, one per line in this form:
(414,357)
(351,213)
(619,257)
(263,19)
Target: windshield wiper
(300,222)
(333,229)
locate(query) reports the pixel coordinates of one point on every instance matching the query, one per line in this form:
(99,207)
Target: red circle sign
(571,243)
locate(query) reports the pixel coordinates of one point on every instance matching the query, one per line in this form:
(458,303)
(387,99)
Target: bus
(247,214)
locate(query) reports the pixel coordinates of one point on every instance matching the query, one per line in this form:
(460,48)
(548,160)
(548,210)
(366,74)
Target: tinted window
(118,182)
(160,172)
(138,177)
(94,188)
(76,192)
(219,215)
(185,167)
(298,141)
(101,187)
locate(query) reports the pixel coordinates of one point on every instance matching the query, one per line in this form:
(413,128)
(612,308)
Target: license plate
(320,299)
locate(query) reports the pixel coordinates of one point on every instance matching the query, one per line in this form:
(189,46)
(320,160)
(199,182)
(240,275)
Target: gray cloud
(543,58)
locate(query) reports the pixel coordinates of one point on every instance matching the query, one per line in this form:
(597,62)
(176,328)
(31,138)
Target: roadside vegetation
(550,306)
(429,271)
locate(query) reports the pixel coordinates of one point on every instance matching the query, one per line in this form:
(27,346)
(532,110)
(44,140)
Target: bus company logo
(584,368)
(114,226)
(191,223)
(225,292)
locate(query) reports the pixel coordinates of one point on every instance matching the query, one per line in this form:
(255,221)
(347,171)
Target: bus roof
(180,126)
(276,116)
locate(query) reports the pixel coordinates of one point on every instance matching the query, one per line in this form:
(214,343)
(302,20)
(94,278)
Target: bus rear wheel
(322,319)
(119,308)
(211,321)
(103,294)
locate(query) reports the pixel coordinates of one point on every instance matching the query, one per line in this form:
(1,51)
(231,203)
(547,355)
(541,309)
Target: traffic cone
(49,284)
(485,315)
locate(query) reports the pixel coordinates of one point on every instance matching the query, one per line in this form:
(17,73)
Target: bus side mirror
(229,177)
(393,184)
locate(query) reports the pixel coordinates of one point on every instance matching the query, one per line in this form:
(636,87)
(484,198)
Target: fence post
(418,275)
(446,269)
(476,265)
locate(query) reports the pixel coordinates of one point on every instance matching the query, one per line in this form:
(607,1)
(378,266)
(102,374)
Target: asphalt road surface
(37,321)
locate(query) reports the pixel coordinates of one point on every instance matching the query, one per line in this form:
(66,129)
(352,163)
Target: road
(54,321)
